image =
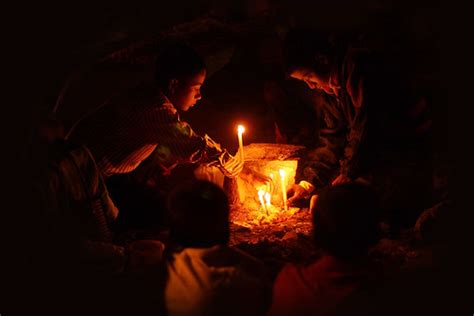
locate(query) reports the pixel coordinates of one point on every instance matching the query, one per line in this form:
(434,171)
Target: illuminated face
(312,79)
(187,91)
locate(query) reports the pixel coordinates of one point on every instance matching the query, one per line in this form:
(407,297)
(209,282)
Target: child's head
(180,73)
(308,57)
(199,215)
(345,220)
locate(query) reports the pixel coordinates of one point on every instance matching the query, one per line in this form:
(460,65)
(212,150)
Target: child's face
(312,79)
(188,91)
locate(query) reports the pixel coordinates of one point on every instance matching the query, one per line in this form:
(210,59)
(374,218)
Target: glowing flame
(240,129)
(282,173)
(261,194)
(265,196)
(268,198)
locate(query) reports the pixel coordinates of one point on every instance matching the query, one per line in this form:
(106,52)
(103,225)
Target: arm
(321,164)
(177,142)
(360,95)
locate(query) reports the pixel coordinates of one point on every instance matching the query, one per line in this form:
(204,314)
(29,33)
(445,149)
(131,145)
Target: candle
(240,131)
(283,188)
(268,198)
(261,194)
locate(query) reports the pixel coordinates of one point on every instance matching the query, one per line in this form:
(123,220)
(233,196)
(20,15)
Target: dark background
(47,43)
(60,40)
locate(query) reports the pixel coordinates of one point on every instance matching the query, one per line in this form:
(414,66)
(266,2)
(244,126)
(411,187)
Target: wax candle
(240,131)
(268,198)
(261,194)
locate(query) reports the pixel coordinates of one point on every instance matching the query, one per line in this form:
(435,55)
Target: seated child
(205,275)
(345,226)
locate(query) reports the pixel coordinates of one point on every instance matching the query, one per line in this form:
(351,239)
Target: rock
(290,235)
(279,233)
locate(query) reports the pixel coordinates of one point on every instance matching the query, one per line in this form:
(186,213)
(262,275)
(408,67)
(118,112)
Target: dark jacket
(374,112)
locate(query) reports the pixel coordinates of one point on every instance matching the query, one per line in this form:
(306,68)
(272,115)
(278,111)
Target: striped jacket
(131,126)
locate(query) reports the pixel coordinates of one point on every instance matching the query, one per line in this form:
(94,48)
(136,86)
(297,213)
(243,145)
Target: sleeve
(357,134)
(388,111)
(319,165)
(364,94)
(177,142)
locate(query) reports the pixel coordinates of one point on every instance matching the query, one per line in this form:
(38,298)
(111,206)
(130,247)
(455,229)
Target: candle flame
(240,129)
(261,194)
(282,173)
(268,198)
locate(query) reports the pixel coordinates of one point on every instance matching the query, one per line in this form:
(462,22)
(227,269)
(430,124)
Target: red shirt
(318,288)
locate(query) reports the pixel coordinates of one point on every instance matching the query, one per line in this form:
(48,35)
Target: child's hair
(304,47)
(345,220)
(177,60)
(198,215)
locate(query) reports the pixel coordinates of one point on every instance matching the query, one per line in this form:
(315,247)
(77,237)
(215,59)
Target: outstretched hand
(233,166)
(296,193)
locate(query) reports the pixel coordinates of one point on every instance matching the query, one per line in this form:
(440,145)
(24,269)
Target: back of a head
(345,220)
(177,61)
(198,215)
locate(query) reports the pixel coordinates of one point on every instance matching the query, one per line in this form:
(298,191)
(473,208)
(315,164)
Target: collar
(165,102)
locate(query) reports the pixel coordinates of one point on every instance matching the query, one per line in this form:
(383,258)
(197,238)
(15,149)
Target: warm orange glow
(268,206)
(261,194)
(240,131)
(268,198)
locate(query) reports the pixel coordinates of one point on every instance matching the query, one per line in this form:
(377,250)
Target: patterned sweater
(131,126)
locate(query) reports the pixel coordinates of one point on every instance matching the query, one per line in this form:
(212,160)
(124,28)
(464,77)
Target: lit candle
(283,188)
(261,194)
(240,131)
(268,198)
